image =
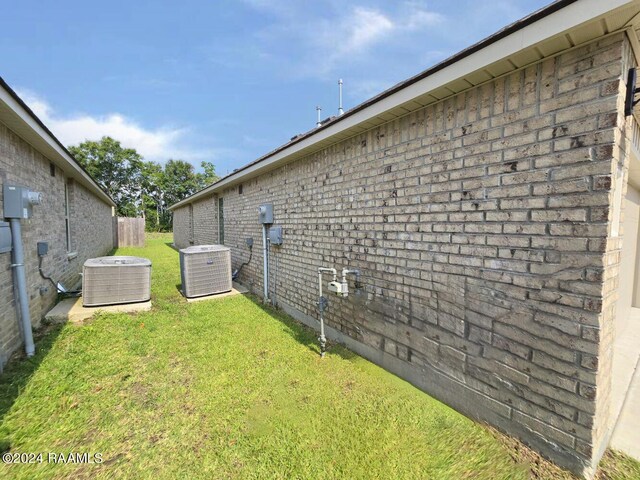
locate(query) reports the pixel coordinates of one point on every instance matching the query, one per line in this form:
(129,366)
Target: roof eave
(19,118)
(548,23)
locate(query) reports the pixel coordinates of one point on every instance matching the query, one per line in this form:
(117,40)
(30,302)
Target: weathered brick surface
(481,226)
(196,224)
(91,234)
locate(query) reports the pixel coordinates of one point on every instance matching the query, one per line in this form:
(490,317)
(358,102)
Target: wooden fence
(128,232)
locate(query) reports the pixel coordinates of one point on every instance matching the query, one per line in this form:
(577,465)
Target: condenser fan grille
(116,280)
(205,270)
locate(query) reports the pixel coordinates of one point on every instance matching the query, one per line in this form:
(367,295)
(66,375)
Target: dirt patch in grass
(538,466)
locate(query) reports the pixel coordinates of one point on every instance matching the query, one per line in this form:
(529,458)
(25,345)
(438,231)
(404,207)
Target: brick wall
(618,181)
(481,227)
(196,224)
(91,234)
(182,231)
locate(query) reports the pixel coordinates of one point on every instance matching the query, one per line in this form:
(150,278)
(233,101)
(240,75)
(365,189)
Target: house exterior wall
(182,226)
(606,412)
(482,228)
(196,224)
(91,234)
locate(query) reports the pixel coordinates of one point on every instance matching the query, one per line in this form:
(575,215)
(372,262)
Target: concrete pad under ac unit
(236,290)
(71,310)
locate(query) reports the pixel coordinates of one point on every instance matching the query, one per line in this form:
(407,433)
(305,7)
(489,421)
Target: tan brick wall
(196,224)
(205,222)
(623,128)
(182,229)
(91,234)
(480,225)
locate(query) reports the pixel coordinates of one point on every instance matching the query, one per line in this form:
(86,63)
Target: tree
(208,175)
(180,181)
(116,169)
(152,186)
(139,187)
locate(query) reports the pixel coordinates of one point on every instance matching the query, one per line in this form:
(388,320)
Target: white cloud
(158,144)
(423,18)
(364,29)
(320,42)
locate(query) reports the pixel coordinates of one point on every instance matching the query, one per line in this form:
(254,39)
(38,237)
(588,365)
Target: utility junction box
(18,201)
(5,238)
(275,235)
(265,213)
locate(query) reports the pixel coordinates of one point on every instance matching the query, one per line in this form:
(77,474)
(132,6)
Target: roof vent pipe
(319,110)
(340,110)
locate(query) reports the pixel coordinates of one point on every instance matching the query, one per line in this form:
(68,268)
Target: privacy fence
(128,232)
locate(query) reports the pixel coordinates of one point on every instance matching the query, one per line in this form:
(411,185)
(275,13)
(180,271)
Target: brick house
(485,201)
(75,216)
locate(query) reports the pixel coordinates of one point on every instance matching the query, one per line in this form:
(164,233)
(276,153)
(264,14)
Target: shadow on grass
(18,373)
(303,334)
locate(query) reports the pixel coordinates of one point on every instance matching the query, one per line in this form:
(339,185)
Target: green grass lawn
(230,389)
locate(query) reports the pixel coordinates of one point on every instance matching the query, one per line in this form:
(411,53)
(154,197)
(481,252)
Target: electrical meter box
(5,238)
(275,235)
(265,213)
(18,201)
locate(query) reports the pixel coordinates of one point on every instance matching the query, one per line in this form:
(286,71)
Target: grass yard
(230,389)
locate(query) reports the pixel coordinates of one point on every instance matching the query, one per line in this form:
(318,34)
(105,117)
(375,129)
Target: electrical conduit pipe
(21,285)
(265,260)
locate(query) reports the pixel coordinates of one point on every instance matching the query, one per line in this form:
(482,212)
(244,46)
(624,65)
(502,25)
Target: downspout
(21,285)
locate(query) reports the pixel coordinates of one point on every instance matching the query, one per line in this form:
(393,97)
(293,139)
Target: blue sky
(224,81)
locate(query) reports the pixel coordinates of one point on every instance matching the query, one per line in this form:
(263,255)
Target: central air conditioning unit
(115,280)
(205,270)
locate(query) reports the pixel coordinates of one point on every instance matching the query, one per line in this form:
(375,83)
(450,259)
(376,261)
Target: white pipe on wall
(322,304)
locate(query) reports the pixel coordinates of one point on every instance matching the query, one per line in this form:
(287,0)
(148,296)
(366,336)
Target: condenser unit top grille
(204,249)
(114,261)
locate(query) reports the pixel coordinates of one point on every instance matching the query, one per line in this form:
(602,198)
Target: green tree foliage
(139,187)
(152,184)
(180,180)
(208,175)
(116,169)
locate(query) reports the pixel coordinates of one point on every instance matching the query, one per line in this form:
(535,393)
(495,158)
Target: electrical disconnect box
(5,238)
(265,213)
(43,248)
(275,235)
(18,201)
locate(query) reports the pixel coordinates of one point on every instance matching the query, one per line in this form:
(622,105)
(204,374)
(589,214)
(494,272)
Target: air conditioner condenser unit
(205,270)
(115,280)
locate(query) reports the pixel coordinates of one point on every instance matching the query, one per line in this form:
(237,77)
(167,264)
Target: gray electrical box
(275,235)
(43,248)
(18,201)
(265,213)
(5,238)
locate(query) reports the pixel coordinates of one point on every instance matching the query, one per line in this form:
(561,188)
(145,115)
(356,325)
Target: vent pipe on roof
(340,110)
(319,110)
